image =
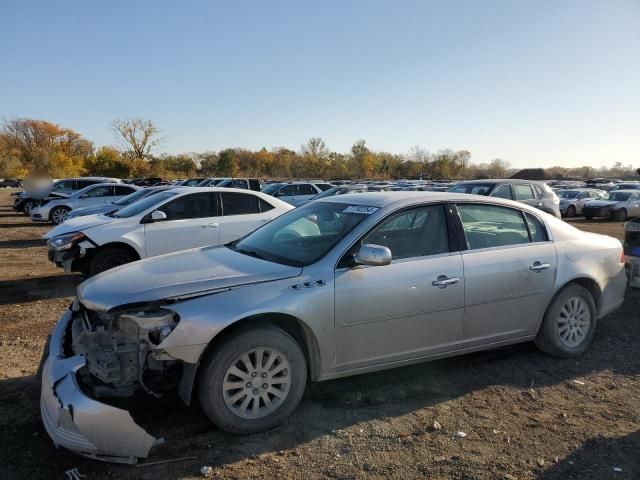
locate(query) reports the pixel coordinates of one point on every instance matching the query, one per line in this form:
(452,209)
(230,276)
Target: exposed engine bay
(121,350)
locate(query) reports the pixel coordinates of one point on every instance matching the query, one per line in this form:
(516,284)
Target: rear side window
(537,230)
(539,190)
(324,186)
(197,205)
(523,192)
(503,191)
(306,189)
(265,206)
(487,226)
(239,204)
(122,190)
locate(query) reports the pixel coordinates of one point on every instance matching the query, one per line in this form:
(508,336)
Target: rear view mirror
(373,255)
(158,216)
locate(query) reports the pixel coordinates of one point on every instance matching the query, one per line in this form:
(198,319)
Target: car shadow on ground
(38,288)
(329,407)
(36,242)
(622,451)
(24,225)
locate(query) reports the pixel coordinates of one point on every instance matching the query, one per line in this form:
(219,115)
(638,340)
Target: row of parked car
(278,296)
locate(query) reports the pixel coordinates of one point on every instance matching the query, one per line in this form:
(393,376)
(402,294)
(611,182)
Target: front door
(410,308)
(192,221)
(510,268)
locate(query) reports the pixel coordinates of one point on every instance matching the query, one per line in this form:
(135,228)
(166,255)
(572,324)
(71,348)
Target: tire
(26,207)
(571,211)
(218,402)
(59,215)
(588,217)
(570,308)
(109,258)
(619,215)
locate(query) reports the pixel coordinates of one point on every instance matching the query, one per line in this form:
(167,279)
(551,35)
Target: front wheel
(59,215)
(569,324)
(110,258)
(619,215)
(253,380)
(26,208)
(571,211)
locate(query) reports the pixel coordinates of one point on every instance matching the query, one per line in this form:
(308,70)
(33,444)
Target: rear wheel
(59,215)
(571,211)
(588,217)
(619,215)
(110,258)
(253,380)
(569,324)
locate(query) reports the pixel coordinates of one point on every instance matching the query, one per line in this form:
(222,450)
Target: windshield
(269,189)
(568,194)
(132,197)
(618,196)
(304,235)
(473,188)
(143,204)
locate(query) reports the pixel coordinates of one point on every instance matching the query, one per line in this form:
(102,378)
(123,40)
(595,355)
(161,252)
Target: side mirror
(373,255)
(158,216)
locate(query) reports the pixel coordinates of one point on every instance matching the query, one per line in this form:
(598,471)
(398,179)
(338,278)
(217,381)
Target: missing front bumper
(79,423)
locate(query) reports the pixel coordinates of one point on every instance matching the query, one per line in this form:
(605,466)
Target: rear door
(192,221)
(510,268)
(241,214)
(523,192)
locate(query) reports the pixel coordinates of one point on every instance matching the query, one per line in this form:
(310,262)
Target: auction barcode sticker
(360,209)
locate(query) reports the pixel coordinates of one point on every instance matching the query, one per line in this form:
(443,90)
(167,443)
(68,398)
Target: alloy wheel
(574,321)
(256,383)
(58,216)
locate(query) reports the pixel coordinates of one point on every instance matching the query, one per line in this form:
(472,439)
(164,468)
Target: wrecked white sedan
(344,285)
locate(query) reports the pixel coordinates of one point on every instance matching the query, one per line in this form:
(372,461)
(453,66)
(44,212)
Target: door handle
(538,267)
(443,281)
(210,225)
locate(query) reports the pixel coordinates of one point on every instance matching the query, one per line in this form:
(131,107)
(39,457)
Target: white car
(298,193)
(177,219)
(56,207)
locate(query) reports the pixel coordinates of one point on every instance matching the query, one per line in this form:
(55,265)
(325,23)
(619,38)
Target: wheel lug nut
(264,375)
(248,384)
(255,392)
(254,374)
(265,386)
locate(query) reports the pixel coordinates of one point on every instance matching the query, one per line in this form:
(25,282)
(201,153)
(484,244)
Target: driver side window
(197,205)
(412,233)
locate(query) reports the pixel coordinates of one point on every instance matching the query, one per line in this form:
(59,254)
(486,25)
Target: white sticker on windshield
(362,209)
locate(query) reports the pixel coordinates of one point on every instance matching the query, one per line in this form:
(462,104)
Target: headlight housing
(66,241)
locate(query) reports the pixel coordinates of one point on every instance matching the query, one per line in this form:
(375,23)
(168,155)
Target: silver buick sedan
(342,286)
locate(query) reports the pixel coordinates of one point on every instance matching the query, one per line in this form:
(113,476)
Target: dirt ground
(526,415)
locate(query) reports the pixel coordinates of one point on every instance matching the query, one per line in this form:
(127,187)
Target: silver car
(616,205)
(572,201)
(344,285)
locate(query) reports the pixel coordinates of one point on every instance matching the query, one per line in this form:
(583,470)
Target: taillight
(622,256)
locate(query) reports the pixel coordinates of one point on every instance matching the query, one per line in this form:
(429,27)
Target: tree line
(37,147)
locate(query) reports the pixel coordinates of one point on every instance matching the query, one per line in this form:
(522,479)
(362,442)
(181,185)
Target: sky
(537,83)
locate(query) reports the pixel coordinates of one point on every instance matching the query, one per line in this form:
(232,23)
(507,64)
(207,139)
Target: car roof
(500,180)
(401,197)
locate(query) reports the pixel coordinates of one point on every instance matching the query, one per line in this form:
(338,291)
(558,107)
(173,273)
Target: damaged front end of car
(96,358)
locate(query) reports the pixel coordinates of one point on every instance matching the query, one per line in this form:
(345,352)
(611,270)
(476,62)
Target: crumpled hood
(185,273)
(601,203)
(78,224)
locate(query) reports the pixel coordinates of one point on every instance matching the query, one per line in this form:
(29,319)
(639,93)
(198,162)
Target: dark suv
(536,194)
